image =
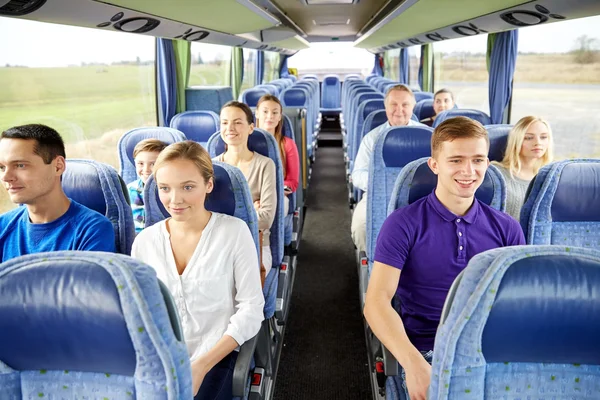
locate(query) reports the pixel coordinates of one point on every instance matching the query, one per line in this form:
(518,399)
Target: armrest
(242,367)
(363,276)
(390,365)
(283,284)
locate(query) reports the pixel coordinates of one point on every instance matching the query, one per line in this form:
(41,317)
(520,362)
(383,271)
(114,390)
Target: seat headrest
(331,80)
(405,144)
(251,96)
(63,313)
(211,98)
(368,96)
(370,106)
(424,109)
(81,182)
(476,115)
(546,311)
(196,125)
(498,135)
(422,96)
(294,97)
(256,142)
(424,181)
(221,199)
(583,179)
(374,119)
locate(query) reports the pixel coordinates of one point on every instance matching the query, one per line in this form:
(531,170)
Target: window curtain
(403,74)
(377,70)
(237,70)
(166,76)
(426,68)
(182,62)
(502,53)
(283,66)
(260,67)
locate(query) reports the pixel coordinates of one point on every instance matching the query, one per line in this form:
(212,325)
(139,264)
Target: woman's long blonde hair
(279,136)
(512,159)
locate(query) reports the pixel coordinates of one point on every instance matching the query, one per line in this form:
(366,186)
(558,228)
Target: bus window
(332,58)
(460,66)
(89,85)
(271,66)
(392,64)
(210,65)
(557,77)
(249,69)
(414,58)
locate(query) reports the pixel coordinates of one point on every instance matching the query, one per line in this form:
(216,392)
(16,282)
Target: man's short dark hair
(49,144)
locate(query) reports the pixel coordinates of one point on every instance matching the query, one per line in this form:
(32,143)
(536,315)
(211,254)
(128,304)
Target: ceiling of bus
(330,20)
(427,15)
(226,16)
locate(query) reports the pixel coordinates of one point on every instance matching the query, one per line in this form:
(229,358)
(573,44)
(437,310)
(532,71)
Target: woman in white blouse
(210,265)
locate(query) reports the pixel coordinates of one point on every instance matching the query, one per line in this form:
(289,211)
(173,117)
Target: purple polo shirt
(432,246)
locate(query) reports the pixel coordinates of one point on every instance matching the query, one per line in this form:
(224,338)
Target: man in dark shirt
(429,243)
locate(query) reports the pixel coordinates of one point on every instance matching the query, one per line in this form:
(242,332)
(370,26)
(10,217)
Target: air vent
(15,8)
(328,2)
(330,21)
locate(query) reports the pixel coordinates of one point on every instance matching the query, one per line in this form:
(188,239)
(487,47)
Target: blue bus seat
(477,115)
(211,98)
(196,125)
(424,109)
(331,101)
(130,139)
(265,144)
(352,77)
(422,96)
(299,97)
(251,96)
(562,206)
(272,89)
(498,134)
(521,322)
(89,325)
(98,187)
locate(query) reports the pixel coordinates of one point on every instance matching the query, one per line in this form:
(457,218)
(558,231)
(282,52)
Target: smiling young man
(32,161)
(429,243)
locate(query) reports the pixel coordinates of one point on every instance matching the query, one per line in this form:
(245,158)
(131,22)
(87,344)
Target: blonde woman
(269,116)
(236,127)
(209,263)
(529,148)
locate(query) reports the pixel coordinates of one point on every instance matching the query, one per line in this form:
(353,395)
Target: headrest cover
(498,135)
(81,182)
(405,144)
(256,142)
(63,316)
(577,196)
(546,311)
(221,199)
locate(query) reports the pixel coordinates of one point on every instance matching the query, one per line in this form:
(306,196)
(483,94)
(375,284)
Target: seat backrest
(373,120)
(98,187)
(477,115)
(196,125)
(424,109)
(394,148)
(89,325)
(359,96)
(129,140)
(364,110)
(521,322)
(211,98)
(352,77)
(422,96)
(416,180)
(331,92)
(498,135)
(265,144)
(251,96)
(562,207)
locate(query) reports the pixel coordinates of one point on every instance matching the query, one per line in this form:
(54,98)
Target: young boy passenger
(429,243)
(145,154)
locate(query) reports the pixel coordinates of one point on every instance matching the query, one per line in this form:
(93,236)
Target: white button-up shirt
(219,292)
(360,171)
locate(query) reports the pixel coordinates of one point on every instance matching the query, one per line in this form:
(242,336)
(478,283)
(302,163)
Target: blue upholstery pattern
(521,324)
(562,207)
(498,135)
(299,97)
(88,325)
(211,98)
(271,89)
(424,109)
(331,94)
(477,115)
(395,147)
(98,187)
(365,108)
(423,96)
(196,125)
(129,140)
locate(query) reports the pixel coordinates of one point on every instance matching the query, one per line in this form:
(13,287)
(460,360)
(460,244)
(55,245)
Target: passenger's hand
(418,377)
(199,371)
(257,205)
(287,191)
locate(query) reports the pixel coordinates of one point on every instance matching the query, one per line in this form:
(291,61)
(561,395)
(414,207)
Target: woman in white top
(529,148)
(236,128)
(210,265)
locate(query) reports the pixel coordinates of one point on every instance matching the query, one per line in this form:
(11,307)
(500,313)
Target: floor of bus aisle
(324,354)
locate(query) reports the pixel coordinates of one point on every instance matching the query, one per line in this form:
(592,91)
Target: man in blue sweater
(32,160)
